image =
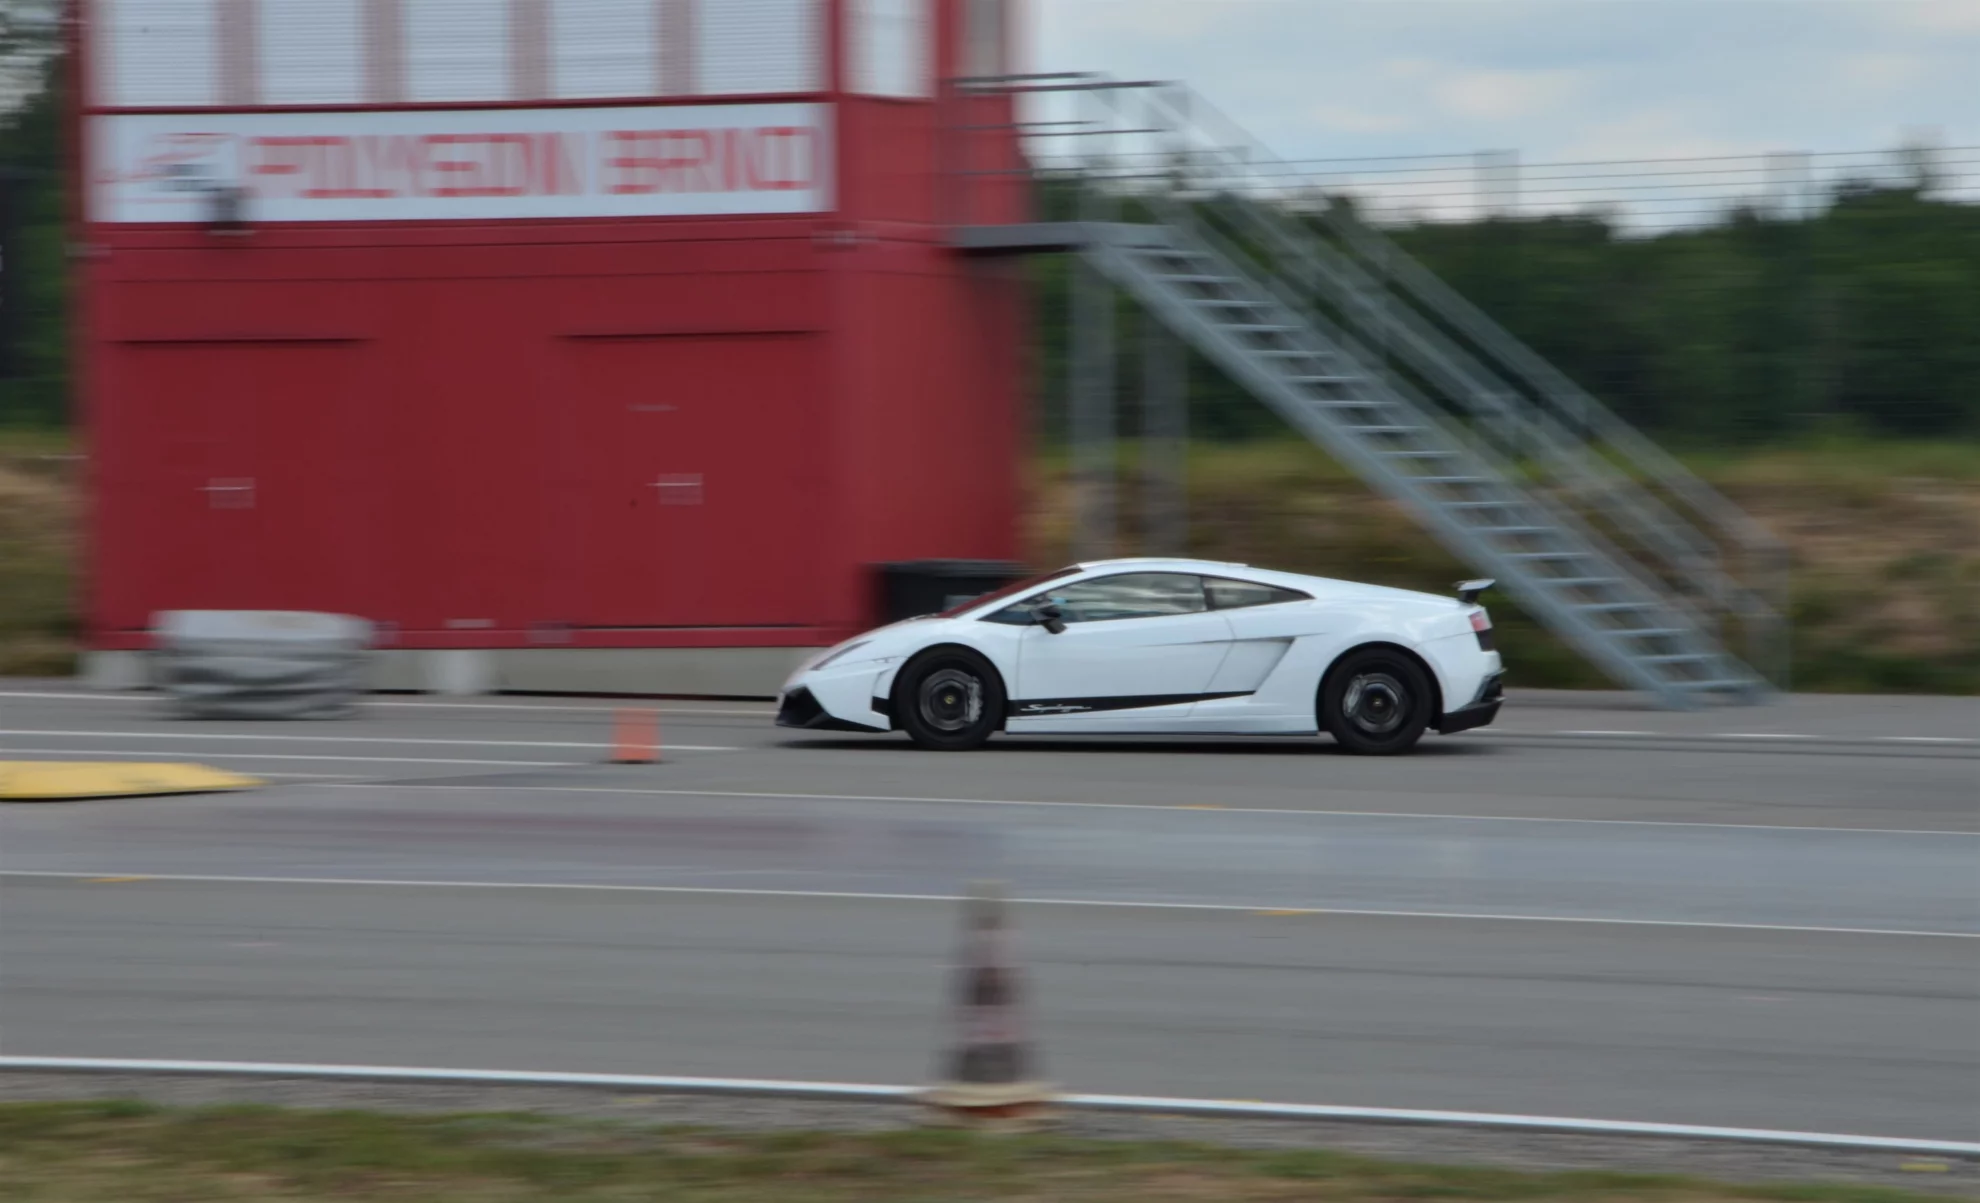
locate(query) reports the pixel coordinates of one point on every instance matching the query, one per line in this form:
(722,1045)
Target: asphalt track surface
(1757,918)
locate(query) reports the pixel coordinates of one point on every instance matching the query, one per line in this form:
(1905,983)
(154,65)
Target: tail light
(1481,626)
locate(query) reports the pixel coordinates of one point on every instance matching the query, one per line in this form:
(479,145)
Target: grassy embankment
(1885,538)
(38,551)
(127,1152)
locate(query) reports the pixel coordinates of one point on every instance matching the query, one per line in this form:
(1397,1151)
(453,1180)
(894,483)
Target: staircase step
(1230,307)
(1579,582)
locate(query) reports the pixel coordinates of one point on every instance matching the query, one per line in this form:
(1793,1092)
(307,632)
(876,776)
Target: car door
(1138,650)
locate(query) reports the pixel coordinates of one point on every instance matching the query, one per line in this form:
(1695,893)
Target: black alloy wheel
(949,700)
(1376,702)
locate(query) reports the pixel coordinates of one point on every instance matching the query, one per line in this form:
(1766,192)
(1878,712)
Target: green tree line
(1863,318)
(35,390)
(1860,318)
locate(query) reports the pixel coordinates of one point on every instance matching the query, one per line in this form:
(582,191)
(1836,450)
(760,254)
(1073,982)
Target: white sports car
(1160,646)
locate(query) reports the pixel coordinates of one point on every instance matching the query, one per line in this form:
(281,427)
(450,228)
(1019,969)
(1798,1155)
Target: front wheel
(1376,702)
(949,700)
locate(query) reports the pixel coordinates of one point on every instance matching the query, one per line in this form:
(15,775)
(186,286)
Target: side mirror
(1050,617)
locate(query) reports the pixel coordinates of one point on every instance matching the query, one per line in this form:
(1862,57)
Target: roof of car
(1207,568)
(1162,561)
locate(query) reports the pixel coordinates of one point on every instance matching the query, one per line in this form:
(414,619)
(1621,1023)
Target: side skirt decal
(1051,707)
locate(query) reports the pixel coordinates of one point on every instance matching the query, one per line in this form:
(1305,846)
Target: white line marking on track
(1102,1102)
(545,708)
(1761,735)
(1696,736)
(1193,808)
(347,739)
(864,896)
(592,708)
(327,756)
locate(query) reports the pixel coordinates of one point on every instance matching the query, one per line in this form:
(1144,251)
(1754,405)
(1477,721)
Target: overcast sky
(1552,79)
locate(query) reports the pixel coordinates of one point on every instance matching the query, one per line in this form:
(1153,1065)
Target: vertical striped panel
(240,52)
(457,50)
(605,48)
(384,52)
(986,29)
(529,49)
(746,46)
(312,51)
(890,44)
(677,47)
(157,53)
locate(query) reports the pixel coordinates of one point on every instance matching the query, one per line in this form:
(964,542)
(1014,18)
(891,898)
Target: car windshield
(1008,591)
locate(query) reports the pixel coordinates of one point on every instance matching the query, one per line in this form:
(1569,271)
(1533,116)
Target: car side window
(1237,595)
(1129,595)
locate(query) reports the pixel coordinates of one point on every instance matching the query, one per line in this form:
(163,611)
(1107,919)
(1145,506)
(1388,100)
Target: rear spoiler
(1468,591)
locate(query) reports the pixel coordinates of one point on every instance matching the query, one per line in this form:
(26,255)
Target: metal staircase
(1615,546)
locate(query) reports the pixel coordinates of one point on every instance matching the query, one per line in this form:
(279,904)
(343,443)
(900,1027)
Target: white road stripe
(348,739)
(1097,1102)
(518,764)
(138,877)
(587,708)
(1191,808)
(544,708)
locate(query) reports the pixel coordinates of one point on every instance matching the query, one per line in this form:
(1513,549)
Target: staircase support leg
(1164,440)
(1091,409)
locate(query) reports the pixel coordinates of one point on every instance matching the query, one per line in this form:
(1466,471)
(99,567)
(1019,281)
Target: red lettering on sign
(784,161)
(275,156)
(472,165)
(771,159)
(342,173)
(356,166)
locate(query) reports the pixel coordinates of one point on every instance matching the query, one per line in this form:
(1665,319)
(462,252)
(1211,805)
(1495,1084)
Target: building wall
(443,382)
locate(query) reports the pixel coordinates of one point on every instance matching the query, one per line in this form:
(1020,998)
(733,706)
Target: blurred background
(1750,229)
(599,350)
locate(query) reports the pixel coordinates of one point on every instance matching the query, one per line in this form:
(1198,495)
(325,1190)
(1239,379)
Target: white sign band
(465,165)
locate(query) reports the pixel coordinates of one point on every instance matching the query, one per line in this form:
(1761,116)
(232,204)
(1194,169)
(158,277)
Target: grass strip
(131,1152)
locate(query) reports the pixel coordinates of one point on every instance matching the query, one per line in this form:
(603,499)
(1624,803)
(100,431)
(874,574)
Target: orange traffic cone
(636,737)
(988,1080)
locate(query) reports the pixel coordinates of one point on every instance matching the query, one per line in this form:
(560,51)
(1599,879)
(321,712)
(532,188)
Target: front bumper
(1480,712)
(801,710)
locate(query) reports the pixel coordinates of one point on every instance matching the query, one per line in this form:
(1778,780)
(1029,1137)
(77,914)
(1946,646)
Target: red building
(602,343)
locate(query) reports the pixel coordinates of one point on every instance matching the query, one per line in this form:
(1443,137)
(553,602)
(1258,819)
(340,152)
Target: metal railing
(1099,150)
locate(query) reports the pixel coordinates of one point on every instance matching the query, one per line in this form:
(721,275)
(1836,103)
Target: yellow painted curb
(60,781)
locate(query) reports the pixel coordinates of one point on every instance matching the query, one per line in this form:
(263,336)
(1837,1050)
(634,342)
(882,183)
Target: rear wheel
(1376,702)
(949,700)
